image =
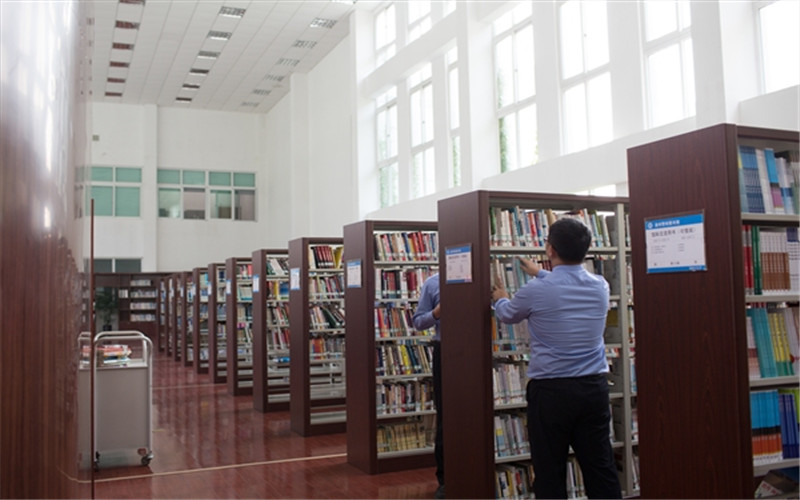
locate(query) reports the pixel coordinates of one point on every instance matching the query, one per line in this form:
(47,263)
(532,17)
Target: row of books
(279,338)
(401,283)
(277,290)
(321,348)
(141,283)
(525,227)
(773,417)
(509,381)
(771,259)
(325,256)
(403,359)
(326,316)
(406,435)
(140,306)
(768,181)
(277,266)
(326,287)
(773,347)
(138,294)
(406,246)
(511,435)
(616,371)
(244,291)
(403,397)
(277,315)
(143,317)
(507,337)
(396,321)
(244,271)
(514,481)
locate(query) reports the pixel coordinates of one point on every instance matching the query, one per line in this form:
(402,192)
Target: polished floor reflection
(208,444)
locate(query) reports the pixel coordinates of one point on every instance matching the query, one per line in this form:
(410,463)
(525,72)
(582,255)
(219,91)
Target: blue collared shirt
(429,298)
(566,309)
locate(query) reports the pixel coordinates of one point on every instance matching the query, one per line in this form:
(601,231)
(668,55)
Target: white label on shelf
(354,273)
(256,286)
(675,243)
(294,278)
(227,287)
(458,262)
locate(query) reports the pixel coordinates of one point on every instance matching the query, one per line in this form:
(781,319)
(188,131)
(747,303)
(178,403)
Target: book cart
(239,325)
(271,329)
(390,412)
(199,330)
(476,232)
(704,364)
(217,359)
(317,343)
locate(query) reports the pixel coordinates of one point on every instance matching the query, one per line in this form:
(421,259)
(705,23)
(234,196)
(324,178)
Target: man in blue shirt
(427,315)
(567,392)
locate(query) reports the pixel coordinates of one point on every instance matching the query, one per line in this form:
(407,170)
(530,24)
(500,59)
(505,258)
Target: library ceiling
(209,54)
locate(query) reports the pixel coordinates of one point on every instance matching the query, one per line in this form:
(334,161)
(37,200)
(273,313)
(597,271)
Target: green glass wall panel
(129,174)
(103,174)
(219,178)
(126,202)
(168,176)
(244,179)
(194,177)
(103,200)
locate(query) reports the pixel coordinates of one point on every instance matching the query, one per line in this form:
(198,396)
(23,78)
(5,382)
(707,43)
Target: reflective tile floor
(208,444)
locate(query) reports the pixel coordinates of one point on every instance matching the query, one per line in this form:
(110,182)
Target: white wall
(152,138)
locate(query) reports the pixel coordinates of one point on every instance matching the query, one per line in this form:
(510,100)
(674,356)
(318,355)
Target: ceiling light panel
(219,35)
(231,12)
(304,44)
(321,22)
(207,54)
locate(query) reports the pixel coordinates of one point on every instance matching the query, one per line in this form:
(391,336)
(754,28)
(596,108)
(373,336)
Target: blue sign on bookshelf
(675,243)
(354,273)
(459,264)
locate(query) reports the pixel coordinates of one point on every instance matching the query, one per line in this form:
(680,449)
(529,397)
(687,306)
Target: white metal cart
(123,398)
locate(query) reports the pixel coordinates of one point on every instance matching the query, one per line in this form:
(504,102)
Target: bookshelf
(271,329)
(317,335)
(384,279)
(470,354)
(163,313)
(138,300)
(180,332)
(190,316)
(695,413)
(199,307)
(217,307)
(239,325)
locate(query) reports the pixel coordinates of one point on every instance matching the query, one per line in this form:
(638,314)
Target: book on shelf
(514,480)
(398,397)
(404,436)
(406,246)
(774,425)
(527,227)
(771,257)
(778,483)
(773,348)
(511,435)
(325,256)
(768,181)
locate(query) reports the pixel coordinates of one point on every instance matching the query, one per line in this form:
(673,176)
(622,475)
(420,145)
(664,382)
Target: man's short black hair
(570,238)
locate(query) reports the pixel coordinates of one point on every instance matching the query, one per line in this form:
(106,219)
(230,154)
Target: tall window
(669,64)
(423,169)
(585,78)
(780,44)
(197,194)
(385,35)
(515,88)
(116,191)
(419,18)
(386,135)
(454,115)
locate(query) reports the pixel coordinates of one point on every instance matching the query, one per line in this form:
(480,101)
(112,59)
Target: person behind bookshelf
(426,316)
(567,392)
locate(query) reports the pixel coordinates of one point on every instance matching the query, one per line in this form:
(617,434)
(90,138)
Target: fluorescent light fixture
(191,86)
(113,94)
(304,44)
(283,61)
(231,12)
(183,99)
(122,46)
(219,35)
(127,25)
(261,92)
(115,80)
(320,22)
(274,78)
(207,54)
(249,104)
(119,64)
(198,71)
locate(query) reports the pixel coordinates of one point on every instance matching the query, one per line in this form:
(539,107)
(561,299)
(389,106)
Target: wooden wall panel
(43,113)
